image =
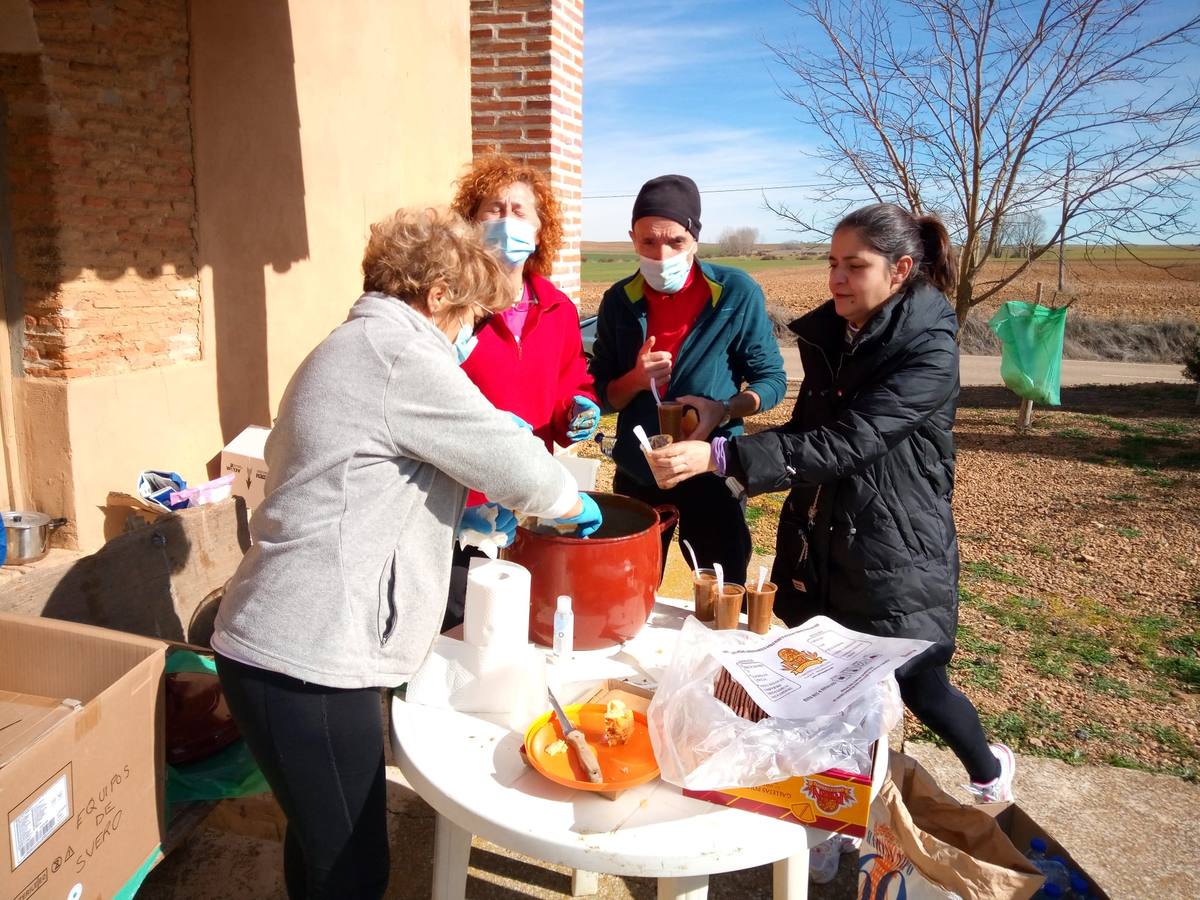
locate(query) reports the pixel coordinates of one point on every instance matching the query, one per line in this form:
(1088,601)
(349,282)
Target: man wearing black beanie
(701,334)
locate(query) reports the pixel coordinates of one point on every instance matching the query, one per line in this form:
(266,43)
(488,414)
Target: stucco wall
(294,162)
(306,127)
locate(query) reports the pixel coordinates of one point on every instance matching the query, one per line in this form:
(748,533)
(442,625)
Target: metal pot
(611,576)
(28,535)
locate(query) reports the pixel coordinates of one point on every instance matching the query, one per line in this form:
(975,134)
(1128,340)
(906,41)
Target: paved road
(985,370)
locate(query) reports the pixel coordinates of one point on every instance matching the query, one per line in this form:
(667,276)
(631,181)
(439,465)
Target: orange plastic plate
(623,765)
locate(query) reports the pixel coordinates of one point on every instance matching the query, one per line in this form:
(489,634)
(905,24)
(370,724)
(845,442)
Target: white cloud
(630,55)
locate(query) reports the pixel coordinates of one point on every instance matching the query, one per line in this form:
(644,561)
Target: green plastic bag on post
(1032,339)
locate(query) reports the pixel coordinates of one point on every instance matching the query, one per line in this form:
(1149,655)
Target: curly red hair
(488,175)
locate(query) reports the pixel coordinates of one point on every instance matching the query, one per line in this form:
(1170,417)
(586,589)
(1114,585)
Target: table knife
(576,738)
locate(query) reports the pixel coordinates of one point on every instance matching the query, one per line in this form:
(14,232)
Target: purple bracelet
(718,453)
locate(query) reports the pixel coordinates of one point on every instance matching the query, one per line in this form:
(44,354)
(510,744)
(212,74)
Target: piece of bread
(559,746)
(618,723)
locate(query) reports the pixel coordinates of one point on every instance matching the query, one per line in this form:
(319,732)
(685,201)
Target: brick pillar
(527,101)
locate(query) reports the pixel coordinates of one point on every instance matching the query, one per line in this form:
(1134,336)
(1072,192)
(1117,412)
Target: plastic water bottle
(1078,889)
(1053,869)
(605,443)
(564,628)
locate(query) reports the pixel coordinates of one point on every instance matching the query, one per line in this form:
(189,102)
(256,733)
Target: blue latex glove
(487,523)
(585,419)
(587,522)
(521,423)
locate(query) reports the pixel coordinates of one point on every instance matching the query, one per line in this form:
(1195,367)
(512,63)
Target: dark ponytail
(894,232)
(937,256)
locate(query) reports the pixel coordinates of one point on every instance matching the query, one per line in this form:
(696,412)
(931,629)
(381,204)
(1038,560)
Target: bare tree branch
(972,108)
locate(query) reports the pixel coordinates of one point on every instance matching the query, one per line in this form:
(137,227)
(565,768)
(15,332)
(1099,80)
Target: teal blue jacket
(730,348)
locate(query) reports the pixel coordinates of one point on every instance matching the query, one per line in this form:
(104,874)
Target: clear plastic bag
(702,744)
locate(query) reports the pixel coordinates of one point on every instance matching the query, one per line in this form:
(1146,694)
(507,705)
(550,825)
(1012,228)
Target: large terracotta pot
(610,576)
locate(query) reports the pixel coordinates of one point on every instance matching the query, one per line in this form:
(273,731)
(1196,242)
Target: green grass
(1169,737)
(968,641)
(977,671)
(1187,644)
(1087,648)
(1047,661)
(969,597)
(1077,434)
(1008,617)
(992,572)
(1017,601)
(1183,669)
(1102,684)
(975,537)
(606,267)
(1129,532)
(1045,551)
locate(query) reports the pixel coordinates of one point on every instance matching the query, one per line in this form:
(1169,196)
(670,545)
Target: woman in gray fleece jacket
(379,436)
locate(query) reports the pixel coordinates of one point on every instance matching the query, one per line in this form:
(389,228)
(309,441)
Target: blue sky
(686,86)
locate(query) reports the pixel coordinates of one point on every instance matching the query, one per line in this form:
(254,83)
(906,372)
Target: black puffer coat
(870,442)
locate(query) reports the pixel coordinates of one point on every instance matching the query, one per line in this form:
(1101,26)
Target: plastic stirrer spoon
(720,579)
(640,433)
(692,554)
(762,577)
(654,391)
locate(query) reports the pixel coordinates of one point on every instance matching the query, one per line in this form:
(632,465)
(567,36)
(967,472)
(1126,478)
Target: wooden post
(1025,410)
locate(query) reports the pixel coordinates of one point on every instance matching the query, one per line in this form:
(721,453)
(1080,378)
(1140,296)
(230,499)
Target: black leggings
(947,712)
(710,520)
(321,750)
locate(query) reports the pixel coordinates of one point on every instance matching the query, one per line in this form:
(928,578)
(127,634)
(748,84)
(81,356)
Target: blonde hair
(490,174)
(413,251)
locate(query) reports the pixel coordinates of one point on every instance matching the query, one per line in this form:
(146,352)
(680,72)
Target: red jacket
(538,378)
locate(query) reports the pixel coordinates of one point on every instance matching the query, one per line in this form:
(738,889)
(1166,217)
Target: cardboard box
(243,456)
(1021,829)
(81,758)
(834,801)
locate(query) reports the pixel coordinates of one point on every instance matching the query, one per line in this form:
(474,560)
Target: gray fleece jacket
(379,435)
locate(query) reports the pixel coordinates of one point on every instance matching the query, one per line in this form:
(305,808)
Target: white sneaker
(823,861)
(999,789)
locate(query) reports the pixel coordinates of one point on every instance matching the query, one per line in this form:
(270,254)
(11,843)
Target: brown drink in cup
(759,606)
(670,419)
(704,589)
(729,606)
(657,442)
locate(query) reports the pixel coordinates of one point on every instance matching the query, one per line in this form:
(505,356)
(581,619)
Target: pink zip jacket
(538,377)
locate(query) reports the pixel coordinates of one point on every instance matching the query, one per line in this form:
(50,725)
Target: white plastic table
(470,770)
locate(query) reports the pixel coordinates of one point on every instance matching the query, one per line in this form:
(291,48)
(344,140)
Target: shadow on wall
(249,185)
(86,185)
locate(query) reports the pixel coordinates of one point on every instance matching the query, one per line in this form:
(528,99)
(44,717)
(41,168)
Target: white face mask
(516,239)
(465,343)
(667,276)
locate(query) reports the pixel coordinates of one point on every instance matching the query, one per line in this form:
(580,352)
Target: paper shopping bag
(922,844)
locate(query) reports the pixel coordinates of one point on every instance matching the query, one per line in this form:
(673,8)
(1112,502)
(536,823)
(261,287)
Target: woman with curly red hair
(529,359)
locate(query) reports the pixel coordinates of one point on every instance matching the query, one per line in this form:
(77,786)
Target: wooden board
(161,580)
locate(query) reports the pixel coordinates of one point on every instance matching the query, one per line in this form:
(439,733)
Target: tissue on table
(494,669)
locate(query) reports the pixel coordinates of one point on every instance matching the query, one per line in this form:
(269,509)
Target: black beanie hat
(673,197)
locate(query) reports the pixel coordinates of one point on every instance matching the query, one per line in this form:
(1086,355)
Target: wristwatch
(726,406)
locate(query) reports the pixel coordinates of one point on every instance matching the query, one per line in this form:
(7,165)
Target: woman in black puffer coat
(867,535)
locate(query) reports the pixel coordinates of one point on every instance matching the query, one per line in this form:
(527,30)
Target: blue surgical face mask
(667,276)
(514,238)
(465,343)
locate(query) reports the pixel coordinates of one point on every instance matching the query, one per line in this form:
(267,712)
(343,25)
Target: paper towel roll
(496,608)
